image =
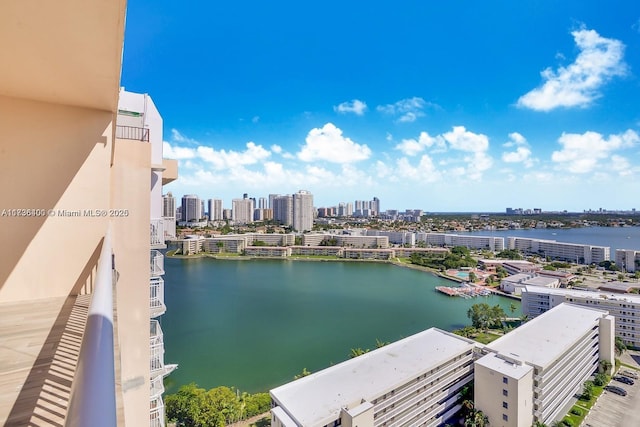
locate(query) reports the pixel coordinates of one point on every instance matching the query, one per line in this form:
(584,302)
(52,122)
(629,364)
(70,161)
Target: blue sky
(441,106)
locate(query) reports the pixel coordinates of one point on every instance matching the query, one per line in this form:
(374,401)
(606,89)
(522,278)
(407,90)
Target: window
(504,417)
(505,405)
(505,380)
(505,392)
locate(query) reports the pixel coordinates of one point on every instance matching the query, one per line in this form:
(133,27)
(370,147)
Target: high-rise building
(94,186)
(168,205)
(191,208)
(262,203)
(302,211)
(215,209)
(242,210)
(375,206)
(283,209)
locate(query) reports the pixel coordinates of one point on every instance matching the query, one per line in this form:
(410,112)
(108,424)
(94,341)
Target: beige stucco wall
(130,190)
(54,158)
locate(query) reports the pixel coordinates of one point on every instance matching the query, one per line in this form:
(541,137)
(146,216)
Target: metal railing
(93,395)
(157,232)
(156,346)
(156,414)
(132,132)
(156,297)
(156,260)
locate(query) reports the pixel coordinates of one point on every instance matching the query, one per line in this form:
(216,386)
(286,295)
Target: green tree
(587,390)
(512,308)
(600,379)
(604,366)
(620,346)
(480,315)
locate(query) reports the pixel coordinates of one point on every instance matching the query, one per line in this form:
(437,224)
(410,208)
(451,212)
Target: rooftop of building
(508,367)
(545,338)
(318,398)
(620,287)
(585,294)
(541,281)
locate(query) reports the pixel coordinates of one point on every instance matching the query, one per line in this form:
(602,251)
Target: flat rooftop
(543,339)
(602,295)
(504,366)
(318,398)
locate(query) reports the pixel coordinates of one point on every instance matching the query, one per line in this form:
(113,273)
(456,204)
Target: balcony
(170,172)
(157,233)
(156,412)
(156,263)
(132,132)
(156,299)
(156,341)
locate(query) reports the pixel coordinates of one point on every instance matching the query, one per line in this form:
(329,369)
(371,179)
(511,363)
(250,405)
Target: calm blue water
(254,324)
(614,237)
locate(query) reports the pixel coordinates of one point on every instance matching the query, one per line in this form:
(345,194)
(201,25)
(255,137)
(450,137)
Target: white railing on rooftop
(157,232)
(156,260)
(156,298)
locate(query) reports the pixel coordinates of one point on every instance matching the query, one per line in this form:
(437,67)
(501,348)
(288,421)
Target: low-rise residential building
(317,250)
(571,252)
(491,243)
(532,373)
(407,252)
(414,381)
(268,251)
(515,283)
(625,308)
(356,253)
(628,259)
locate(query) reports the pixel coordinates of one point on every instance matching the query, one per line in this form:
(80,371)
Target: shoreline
(424,269)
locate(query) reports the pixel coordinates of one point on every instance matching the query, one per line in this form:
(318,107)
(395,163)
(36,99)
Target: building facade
(625,308)
(414,381)
(191,208)
(303,211)
(571,252)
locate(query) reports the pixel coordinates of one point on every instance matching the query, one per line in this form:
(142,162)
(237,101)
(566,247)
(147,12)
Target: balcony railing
(156,415)
(156,263)
(156,299)
(157,386)
(156,349)
(93,395)
(157,233)
(132,132)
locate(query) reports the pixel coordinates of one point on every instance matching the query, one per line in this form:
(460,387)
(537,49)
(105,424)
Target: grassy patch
(486,337)
(626,365)
(583,406)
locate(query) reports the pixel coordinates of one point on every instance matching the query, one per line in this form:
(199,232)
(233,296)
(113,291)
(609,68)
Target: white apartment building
(169,215)
(532,373)
(242,211)
(395,237)
(215,209)
(380,242)
(412,382)
(494,244)
(303,212)
(571,252)
(628,259)
(516,283)
(283,209)
(625,308)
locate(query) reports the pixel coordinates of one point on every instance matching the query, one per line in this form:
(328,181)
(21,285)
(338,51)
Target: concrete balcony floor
(39,345)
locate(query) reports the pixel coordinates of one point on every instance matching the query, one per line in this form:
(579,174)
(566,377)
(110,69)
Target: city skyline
(456,110)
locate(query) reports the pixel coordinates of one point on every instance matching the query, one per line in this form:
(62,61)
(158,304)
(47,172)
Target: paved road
(612,410)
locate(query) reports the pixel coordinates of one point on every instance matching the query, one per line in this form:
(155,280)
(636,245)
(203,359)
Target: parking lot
(612,410)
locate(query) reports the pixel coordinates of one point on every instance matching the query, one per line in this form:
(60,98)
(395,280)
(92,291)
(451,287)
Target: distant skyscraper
(168,206)
(191,208)
(242,210)
(283,209)
(215,209)
(302,211)
(262,203)
(375,206)
(349,209)
(271,199)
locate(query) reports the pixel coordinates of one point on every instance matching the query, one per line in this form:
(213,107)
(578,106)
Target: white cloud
(581,153)
(425,171)
(407,110)
(411,147)
(327,143)
(620,165)
(522,153)
(461,139)
(222,159)
(356,107)
(179,153)
(578,84)
(275,148)
(176,136)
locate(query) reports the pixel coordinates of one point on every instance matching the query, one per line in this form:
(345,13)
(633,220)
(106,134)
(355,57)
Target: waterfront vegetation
(192,406)
(458,257)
